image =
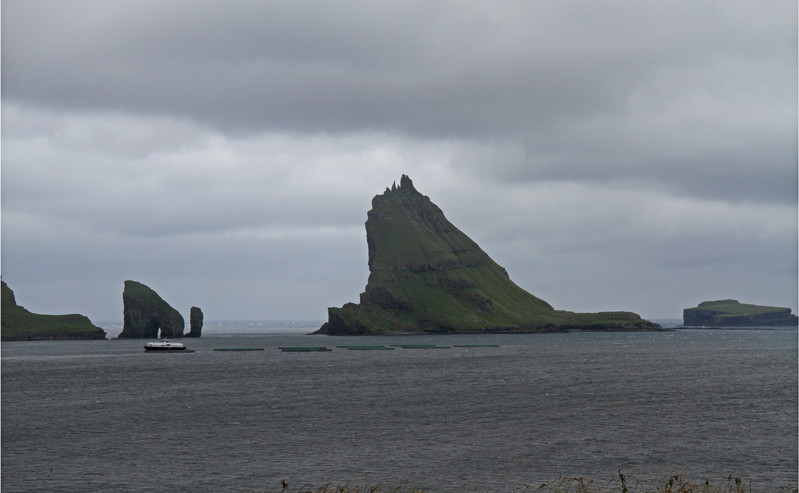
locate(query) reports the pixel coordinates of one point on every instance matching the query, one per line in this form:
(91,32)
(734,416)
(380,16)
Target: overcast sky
(621,155)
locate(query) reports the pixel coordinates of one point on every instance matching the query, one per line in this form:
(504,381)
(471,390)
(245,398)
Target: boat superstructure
(164,345)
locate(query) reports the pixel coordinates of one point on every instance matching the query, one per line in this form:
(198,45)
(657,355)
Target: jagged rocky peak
(146,315)
(406,184)
(426,276)
(405,230)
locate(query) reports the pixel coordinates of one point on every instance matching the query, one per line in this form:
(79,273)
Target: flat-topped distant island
(731,313)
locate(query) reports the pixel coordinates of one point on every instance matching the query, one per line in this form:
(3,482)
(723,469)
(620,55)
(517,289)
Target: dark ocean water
(106,416)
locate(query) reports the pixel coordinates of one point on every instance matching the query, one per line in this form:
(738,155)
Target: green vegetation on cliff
(145,314)
(426,276)
(731,313)
(18,324)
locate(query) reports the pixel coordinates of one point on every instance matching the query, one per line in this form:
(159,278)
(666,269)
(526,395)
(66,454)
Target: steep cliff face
(731,313)
(195,322)
(18,324)
(146,315)
(426,276)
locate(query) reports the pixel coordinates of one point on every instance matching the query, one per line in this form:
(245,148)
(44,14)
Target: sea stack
(145,314)
(195,322)
(426,276)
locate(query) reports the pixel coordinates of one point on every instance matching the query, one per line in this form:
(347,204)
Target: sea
(482,413)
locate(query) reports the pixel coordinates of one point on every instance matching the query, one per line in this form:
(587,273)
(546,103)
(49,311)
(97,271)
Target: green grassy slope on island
(18,324)
(426,276)
(734,307)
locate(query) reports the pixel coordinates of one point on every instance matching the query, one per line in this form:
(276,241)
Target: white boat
(164,345)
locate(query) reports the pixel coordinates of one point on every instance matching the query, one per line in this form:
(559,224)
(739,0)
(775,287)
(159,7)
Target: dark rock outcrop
(18,324)
(731,313)
(146,315)
(426,276)
(195,322)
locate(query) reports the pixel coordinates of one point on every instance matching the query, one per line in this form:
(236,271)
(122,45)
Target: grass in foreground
(677,483)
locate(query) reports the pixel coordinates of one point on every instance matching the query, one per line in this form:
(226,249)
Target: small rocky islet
(732,313)
(147,316)
(428,277)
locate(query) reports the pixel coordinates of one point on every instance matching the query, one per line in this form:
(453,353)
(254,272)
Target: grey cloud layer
(602,134)
(596,90)
(450,68)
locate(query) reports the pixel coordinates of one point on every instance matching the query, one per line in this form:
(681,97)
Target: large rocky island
(426,276)
(147,316)
(731,313)
(18,324)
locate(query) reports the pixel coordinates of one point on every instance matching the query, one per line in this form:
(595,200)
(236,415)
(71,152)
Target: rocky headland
(19,324)
(731,313)
(426,276)
(147,316)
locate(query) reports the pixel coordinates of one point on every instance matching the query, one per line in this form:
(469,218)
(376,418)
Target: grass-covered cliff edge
(731,313)
(426,276)
(18,324)
(146,315)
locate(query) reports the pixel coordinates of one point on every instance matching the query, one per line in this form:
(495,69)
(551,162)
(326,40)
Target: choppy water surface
(106,416)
